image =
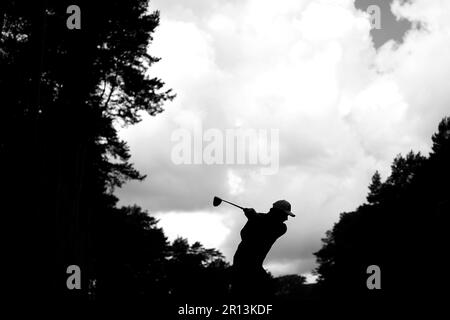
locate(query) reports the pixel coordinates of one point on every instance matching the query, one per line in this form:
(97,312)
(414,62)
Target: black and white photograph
(226,159)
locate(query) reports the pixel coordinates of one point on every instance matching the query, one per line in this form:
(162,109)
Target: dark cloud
(392,28)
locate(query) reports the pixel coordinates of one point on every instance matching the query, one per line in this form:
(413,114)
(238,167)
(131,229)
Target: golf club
(217,201)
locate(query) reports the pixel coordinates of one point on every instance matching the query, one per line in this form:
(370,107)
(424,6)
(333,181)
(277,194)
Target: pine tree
(374,188)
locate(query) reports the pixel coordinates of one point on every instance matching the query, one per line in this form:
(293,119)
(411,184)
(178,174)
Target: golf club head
(217,201)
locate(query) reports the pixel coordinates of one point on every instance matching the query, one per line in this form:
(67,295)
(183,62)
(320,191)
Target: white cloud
(309,69)
(209,228)
(235,183)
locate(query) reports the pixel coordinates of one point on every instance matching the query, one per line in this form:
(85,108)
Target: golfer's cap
(283,205)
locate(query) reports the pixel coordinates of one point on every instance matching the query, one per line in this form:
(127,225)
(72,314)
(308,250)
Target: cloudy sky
(346,99)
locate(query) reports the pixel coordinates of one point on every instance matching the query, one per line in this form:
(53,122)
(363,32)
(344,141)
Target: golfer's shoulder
(259,216)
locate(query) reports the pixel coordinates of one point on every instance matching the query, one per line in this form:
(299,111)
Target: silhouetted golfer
(258,235)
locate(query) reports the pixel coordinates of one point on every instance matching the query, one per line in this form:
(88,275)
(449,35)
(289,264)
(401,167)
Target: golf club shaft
(232,204)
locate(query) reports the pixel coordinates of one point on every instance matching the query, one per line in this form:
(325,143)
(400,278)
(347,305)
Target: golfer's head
(282,210)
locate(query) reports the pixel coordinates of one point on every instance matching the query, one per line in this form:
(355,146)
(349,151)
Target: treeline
(402,228)
(135,262)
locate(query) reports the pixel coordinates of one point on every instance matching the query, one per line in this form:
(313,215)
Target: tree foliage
(135,262)
(64,93)
(401,229)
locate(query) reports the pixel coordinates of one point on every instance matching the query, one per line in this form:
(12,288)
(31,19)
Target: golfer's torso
(258,236)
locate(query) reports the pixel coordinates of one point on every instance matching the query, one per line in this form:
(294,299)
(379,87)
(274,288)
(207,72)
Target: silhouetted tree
(401,230)
(289,286)
(63,94)
(130,256)
(374,188)
(134,262)
(196,273)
